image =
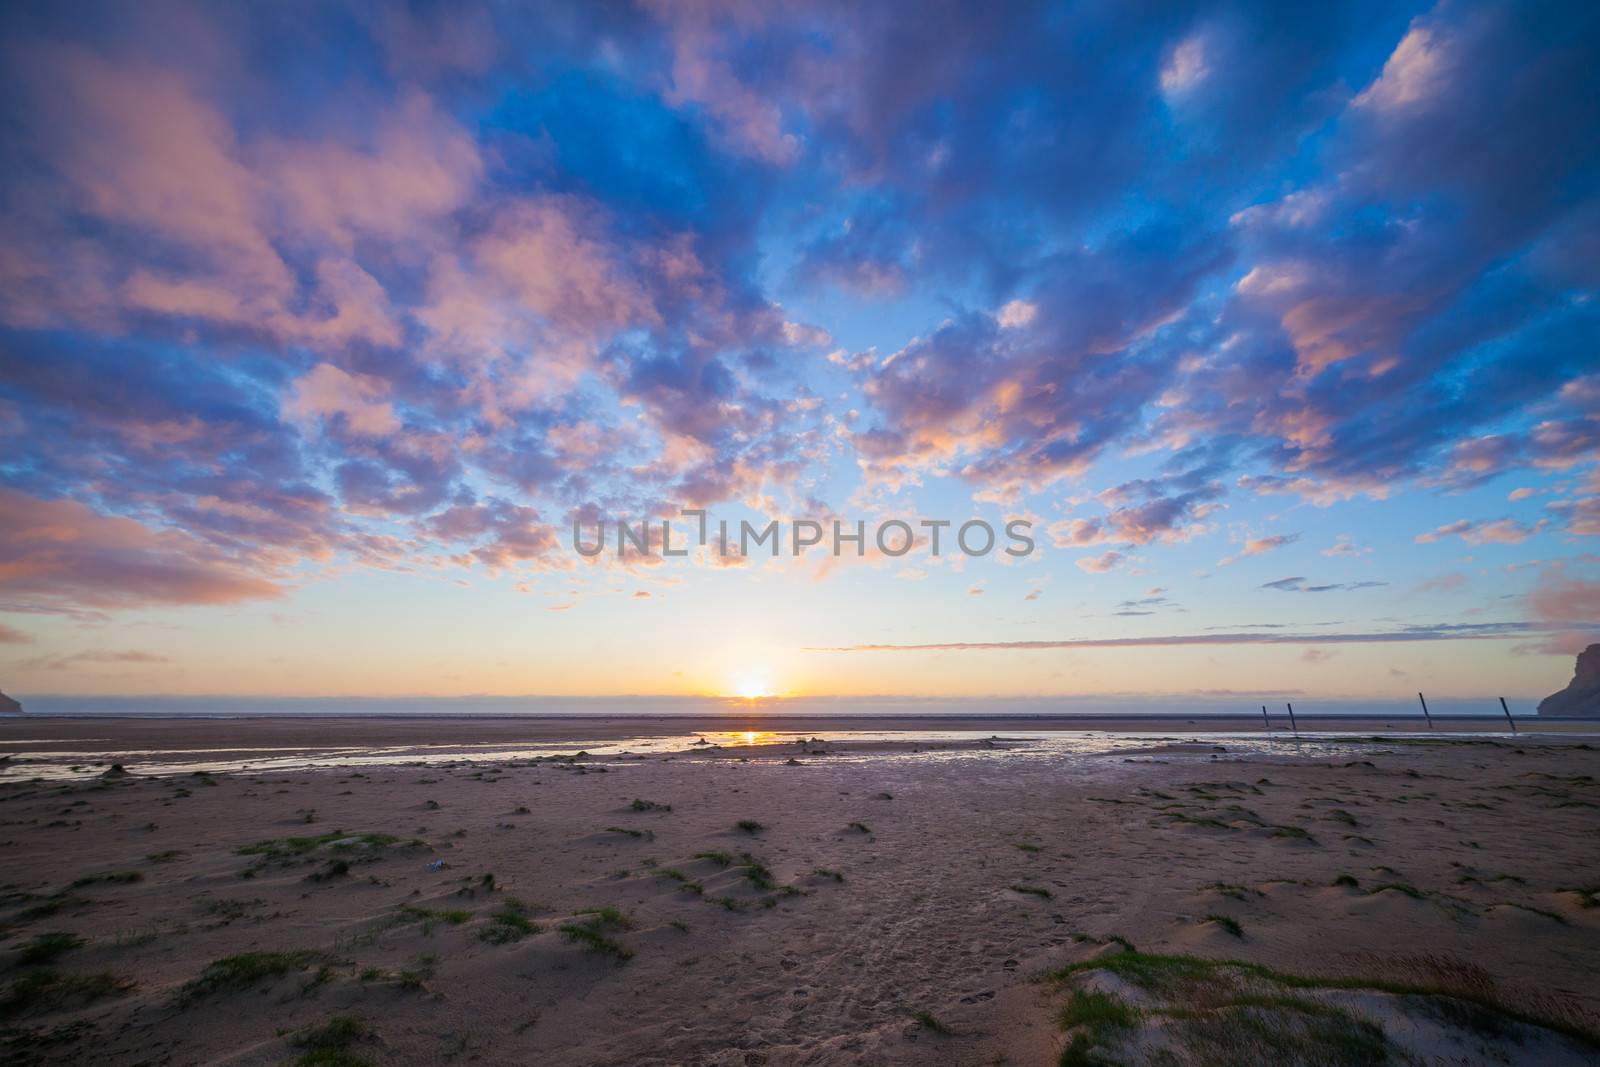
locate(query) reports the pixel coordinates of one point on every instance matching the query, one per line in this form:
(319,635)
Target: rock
(1582,694)
(117,771)
(9,706)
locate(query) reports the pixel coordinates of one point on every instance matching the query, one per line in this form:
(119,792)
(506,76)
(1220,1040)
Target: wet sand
(892,900)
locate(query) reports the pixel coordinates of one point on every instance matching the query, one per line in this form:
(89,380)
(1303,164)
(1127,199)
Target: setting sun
(752,684)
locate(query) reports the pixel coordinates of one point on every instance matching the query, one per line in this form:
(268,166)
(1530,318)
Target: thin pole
(1264,720)
(1425,714)
(1292,725)
(1507,710)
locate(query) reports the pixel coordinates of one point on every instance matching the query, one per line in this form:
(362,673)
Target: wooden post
(1264,720)
(1425,714)
(1507,710)
(1292,725)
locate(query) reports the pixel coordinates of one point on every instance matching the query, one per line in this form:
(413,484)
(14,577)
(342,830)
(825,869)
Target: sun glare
(752,684)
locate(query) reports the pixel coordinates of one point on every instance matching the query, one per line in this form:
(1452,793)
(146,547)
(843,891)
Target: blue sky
(320,324)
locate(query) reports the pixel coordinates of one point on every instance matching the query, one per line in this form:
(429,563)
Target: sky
(321,325)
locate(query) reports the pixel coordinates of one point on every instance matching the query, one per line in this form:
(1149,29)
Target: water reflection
(21,763)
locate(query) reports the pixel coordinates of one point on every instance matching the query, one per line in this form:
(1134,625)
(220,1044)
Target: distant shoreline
(795,720)
(21,735)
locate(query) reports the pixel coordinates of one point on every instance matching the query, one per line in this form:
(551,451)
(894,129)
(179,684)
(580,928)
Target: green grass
(509,924)
(749,826)
(409,915)
(758,874)
(233,973)
(46,947)
(645,835)
(329,1044)
(333,869)
(688,885)
(283,849)
(45,988)
(648,805)
(1031,890)
(1030,848)
(1178,976)
(1228,924)
(1098,1019)
(717,856)
(859,827)
(108,878)
(50,906)
(929,1021)
(823,872)
(592,931)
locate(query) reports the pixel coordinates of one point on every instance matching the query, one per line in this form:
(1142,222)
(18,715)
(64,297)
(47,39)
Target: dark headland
(1582,694)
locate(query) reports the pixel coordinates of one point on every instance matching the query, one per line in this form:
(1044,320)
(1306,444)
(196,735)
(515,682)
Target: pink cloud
(10,636)
(1571,607)
(327,392)
(1258,546)
(1483,532)
(58,555)
(1100,564)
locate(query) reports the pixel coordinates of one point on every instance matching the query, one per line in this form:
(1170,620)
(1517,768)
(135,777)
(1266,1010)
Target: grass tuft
(592,931)
(329,1044)
(509,924)
(46,947)
(233,973)
(44,988)
(108,878)
(1228,924)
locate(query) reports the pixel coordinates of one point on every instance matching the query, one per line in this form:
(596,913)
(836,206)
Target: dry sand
(892,902)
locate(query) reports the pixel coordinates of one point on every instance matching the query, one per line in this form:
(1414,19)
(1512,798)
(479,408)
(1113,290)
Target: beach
(913,896)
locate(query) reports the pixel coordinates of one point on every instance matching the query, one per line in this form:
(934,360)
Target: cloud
(1344,546)
(328,393)
(1567,606)
(12,636)
(1298,585)
(1562,599)
(1444,583)
(1415,75)
(1144,512)
(1015,407)
(1101,564)
(1259,546)
(58,555)
(96,657)
(1440,632)
(363,306)
(1482,532)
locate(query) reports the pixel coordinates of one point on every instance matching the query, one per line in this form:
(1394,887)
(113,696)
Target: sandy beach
(910,899)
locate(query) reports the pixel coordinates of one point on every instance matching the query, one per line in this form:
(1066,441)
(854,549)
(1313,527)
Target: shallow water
(24,759)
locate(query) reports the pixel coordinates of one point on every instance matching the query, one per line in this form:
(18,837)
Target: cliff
(1582,694)
(9,706)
